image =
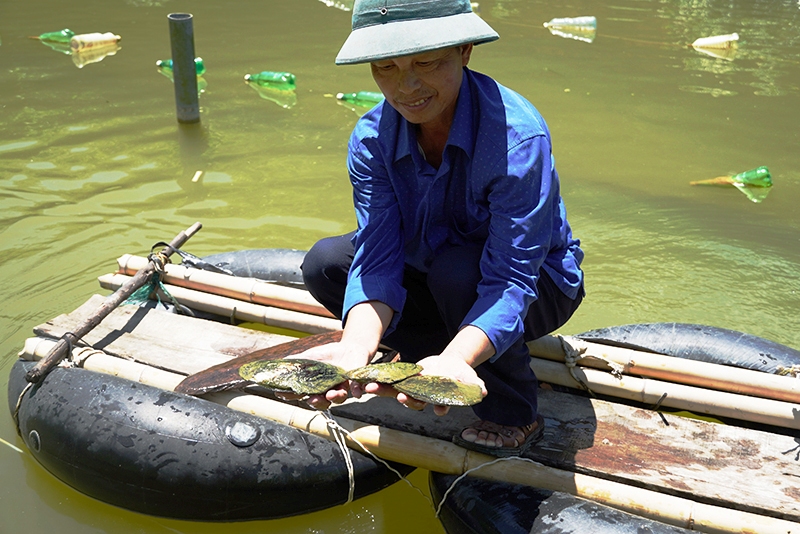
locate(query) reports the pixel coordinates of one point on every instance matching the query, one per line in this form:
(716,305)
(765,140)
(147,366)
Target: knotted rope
(572,356)
(155,284)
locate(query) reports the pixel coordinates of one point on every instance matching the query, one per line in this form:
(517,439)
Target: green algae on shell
(440,390)
(384,373)
(304,377)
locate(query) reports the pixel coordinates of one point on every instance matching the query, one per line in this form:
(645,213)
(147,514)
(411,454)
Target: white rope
(572,356)
(467,472)
(340,432)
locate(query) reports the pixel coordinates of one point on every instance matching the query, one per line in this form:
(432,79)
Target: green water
(93,164)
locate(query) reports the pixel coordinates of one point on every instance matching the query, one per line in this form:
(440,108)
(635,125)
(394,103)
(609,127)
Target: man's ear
(466,52)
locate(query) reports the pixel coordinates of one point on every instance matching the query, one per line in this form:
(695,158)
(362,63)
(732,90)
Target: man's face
(423,88)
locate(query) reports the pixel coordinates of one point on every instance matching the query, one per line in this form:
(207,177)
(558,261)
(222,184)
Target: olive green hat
(385,29)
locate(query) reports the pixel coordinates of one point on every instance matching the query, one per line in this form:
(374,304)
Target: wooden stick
(114,300)
(697,400)
(672,369)
(240,288)
(444,457)
(719,180)
(237,309)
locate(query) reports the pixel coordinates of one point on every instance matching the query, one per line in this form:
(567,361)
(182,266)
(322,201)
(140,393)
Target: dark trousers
(436,303)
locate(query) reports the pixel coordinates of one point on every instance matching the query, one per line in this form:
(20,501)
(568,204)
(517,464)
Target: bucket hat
(384,29)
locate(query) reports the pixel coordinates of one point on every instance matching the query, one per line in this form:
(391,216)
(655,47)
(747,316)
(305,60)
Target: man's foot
(500,440)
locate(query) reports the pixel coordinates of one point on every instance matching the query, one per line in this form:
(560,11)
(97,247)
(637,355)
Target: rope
(155,286)
(15,415)
(338,436)
(792,371)
(340,432)
(571,357)
(467,472)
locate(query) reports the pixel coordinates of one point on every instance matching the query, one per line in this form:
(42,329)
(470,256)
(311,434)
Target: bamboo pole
(237,309)
(121,294)
(672,369)
(638,363)
(236,287)
(444,457)
(697,400)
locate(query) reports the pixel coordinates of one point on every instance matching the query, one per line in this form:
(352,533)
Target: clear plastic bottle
(199,66)
(365,99)
(278,80)
(573,24)
(578,28)
(93,40)
(717,41)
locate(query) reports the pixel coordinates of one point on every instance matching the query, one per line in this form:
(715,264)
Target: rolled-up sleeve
(376,273)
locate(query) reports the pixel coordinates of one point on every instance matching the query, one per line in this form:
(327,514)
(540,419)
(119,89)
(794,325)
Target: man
(463,251)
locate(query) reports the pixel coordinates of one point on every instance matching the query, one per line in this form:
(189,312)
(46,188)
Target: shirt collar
(460,131)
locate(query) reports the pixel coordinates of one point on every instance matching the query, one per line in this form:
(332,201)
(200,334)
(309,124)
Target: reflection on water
(93,165)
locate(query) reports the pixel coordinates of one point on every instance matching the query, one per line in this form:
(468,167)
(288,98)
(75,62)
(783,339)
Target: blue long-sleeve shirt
(497,185)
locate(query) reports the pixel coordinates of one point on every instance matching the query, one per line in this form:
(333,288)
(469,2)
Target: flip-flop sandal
(533,434)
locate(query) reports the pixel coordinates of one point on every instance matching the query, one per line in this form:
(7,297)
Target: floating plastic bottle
(62,37)
(718,46)
(717,41)
(276,80)
(758,177)
(199,65)
(755,183)
(58,41)
(93,40)
(165,68)
(578,28)
(365,99)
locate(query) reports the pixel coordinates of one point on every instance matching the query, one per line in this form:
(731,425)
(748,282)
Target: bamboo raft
(680,471)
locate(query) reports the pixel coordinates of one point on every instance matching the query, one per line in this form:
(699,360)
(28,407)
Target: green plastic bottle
(199,66)
(277,80)
(758,177)
(62,37)
(365,99)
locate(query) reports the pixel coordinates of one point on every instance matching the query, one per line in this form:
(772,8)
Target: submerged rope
(468,471)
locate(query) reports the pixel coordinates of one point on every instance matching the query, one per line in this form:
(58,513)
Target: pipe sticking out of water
(181,35)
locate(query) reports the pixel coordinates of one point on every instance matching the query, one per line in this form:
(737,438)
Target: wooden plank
(739,468)
(163,340)
(729,466)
